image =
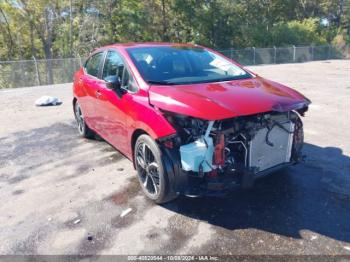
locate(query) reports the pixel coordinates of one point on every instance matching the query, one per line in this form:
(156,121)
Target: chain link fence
(280,55)
(56,71)
(37,72)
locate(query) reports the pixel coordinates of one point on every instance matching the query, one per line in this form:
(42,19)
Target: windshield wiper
(154,82)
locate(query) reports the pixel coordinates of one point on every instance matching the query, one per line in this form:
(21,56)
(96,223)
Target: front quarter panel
(142,116)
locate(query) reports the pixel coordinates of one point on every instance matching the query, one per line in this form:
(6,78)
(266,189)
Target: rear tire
(83,128)
(150,170)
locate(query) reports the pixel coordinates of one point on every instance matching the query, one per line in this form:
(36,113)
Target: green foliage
(303,32)
(66,28)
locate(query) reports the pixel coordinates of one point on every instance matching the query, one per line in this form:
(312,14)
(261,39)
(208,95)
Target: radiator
(263,156)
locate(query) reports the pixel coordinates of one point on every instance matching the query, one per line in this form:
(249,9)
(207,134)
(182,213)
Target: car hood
(215,101)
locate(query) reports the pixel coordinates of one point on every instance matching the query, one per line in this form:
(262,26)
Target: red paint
(117,118)
(214,101)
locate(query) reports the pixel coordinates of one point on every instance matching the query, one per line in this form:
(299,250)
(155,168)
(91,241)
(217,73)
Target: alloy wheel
(80,118)
(148,169)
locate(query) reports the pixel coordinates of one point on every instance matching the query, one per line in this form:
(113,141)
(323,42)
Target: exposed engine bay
(232,147)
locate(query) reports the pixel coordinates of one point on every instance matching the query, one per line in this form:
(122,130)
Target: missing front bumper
(221,186)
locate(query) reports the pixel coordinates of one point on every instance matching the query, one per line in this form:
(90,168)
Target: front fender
(142,116)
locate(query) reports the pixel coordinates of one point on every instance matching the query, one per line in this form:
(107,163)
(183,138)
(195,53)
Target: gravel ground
(62,194)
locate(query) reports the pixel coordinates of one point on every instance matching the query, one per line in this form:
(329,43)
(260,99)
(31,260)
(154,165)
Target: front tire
(298,140)
(150,170)
(83,128)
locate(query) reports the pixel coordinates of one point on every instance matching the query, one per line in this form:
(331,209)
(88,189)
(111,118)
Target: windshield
(173,65)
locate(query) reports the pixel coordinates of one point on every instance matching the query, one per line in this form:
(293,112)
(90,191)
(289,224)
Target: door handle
(98,93)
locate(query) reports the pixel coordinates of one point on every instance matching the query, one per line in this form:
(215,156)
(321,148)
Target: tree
(6,30)
(64,28)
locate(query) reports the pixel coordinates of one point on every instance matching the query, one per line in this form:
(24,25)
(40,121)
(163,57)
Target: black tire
(298,140)
(150,170)
(83,128)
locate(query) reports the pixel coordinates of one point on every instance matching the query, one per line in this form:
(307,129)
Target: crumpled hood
(216,101)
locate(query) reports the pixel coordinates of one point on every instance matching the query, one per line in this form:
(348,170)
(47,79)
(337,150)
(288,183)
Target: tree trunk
(48,56)
(32,45)
(165,36)
(47,43)
(70,29)
(10,45)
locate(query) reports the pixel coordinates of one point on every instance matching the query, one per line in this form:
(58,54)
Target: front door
(113,109)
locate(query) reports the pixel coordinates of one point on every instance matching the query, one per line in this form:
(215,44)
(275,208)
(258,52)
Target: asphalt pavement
(62,194)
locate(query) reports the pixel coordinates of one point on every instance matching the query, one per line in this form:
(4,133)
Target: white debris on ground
(313,238)
(48,101)
(125,212)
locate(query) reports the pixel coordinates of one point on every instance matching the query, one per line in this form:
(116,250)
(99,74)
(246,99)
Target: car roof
(144,44)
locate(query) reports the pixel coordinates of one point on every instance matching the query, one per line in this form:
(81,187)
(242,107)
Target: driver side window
(114,66)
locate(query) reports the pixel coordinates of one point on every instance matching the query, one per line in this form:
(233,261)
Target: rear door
(91,82)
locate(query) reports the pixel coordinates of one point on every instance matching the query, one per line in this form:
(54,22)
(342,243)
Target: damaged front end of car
(212,157)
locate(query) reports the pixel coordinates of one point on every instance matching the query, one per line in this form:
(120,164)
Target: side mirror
(112,82)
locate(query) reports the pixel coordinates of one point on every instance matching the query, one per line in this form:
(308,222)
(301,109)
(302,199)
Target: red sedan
(192,121)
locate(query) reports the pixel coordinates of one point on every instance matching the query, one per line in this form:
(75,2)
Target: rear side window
(92,66)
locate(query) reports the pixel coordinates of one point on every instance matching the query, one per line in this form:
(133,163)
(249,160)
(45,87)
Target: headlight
(189,128)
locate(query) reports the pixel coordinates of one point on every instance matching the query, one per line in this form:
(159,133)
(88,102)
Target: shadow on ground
(310,196)
(41,151)
(313,196)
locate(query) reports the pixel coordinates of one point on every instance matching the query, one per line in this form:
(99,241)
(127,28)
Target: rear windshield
(174,65)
